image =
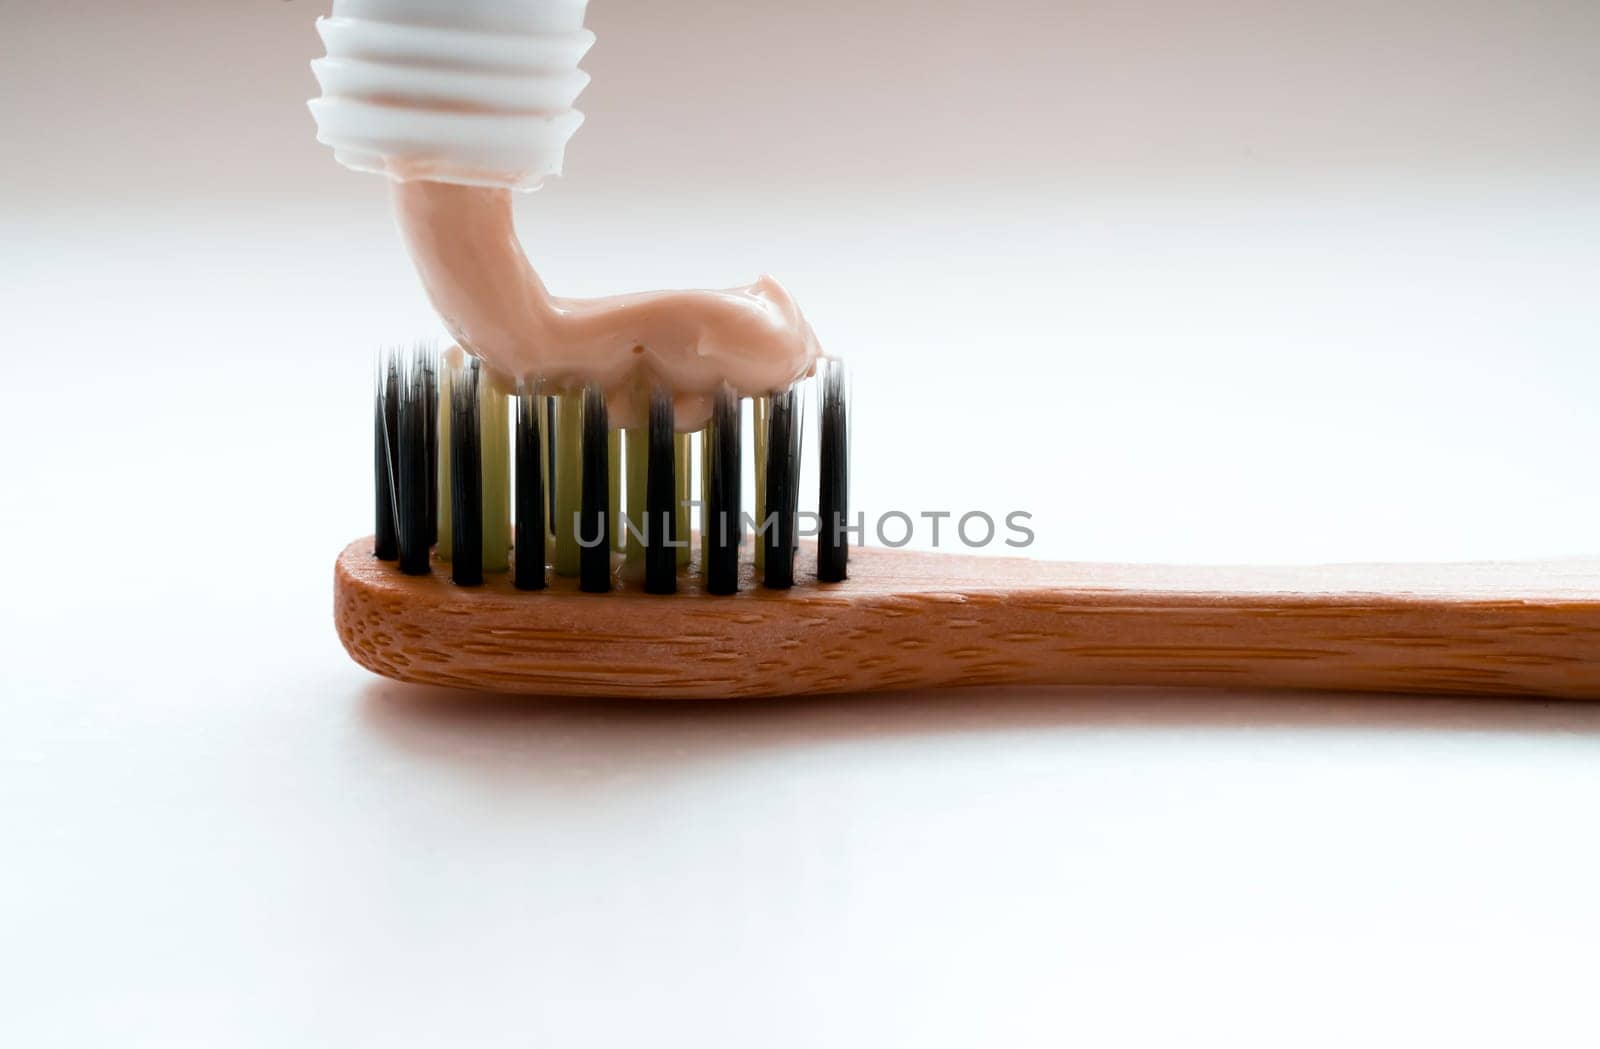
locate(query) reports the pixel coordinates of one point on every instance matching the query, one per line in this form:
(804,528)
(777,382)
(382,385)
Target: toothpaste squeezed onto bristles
(460,102)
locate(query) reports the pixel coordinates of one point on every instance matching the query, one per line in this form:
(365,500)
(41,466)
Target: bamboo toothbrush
(789,622)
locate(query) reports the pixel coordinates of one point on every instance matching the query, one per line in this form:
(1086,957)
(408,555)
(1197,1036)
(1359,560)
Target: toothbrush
(911,620)
(494,561)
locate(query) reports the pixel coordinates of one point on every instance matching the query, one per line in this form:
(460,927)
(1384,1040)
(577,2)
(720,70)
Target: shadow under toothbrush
(560,741)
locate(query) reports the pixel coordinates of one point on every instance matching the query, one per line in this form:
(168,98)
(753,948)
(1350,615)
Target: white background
(1219,334)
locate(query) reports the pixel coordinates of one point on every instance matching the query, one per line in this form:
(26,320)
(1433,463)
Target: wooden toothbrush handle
(1530,628)
(908,620)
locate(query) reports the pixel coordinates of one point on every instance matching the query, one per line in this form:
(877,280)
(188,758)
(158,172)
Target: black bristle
(594,518)
(661,491)
(783,471)
(550,450)
(833,500)
(430,400)
(722,494)
(466,479)
(385,465)
(529,548)
(413,480)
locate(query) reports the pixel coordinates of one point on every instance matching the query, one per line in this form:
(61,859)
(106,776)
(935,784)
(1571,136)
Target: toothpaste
(460,102)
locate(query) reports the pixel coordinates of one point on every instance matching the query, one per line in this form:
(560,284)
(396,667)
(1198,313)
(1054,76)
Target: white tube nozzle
(476,92)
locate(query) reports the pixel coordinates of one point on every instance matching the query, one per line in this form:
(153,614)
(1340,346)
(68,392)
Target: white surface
(218,831)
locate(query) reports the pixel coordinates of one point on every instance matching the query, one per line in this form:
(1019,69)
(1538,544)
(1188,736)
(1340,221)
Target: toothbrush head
(452,442)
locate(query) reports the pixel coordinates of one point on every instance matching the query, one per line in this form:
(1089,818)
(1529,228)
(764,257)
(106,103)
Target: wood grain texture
(907,620)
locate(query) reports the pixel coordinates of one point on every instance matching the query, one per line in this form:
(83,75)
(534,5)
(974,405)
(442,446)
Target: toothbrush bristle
(661,487)
(723,471)
(550,451)
(594,520)
(414,478)
(385,457)
(833,497)
(428,473)
(466,502)
(430,401)
(783,470)
(528,548)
